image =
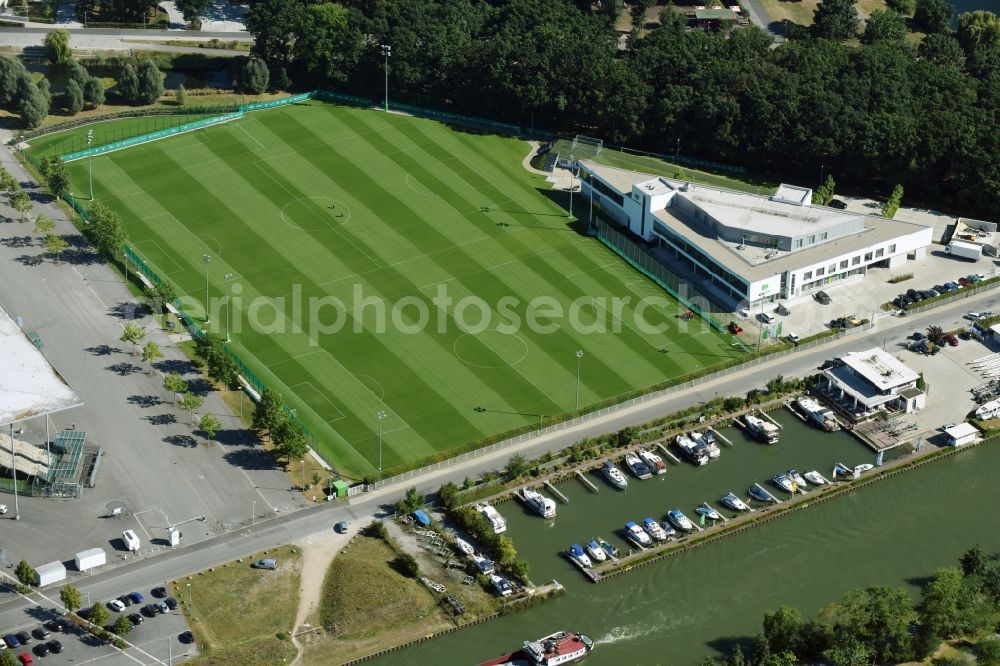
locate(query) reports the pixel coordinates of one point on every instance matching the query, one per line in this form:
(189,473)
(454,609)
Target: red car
(965,282)
(951,340)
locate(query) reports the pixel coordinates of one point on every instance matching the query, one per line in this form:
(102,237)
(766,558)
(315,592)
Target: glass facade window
(843,264)
(820,272)
(868,256)
(879,252)
(832,268)
(855,261)
(822,236)
(892,249)
(807,275)
(608,192)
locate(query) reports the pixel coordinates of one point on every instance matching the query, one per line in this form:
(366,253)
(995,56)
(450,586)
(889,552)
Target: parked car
(116,605)
(743,312)
(265,564)
(11,640)
(965,282)
(126,600)
(57,624)
(917,335)
(929,293)
(171,603)
(135,619)
(951,340)
(766,317)
(792,337)
(55,647)
(25,659)
(782,310)
(952,286)
(822,297)
(974,279)
(940,288)
(162,606)
(137,597)
(343,526)
(41,650)
(838,204)
(186,637)
(41,633)
(23,637)
(159,592)
(150,610)
(973,316)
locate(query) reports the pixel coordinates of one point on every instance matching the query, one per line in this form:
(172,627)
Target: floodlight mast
(386,52)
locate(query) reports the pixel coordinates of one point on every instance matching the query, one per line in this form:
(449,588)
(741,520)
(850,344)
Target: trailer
(131,540)
(965,250)
(47,574)
(90,558)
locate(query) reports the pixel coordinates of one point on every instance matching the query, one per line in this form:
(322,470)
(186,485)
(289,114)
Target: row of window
(606,191)
(855,261)
(812,240)
(705,260)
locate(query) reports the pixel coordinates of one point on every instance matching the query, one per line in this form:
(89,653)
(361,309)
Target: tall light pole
(253,512)
(90,159)
(226,278)
(572,163)
(206,259)
(190,600)
(380,415)
(386,51)
(303,464)
(13,458)
(579,357)
(125,262)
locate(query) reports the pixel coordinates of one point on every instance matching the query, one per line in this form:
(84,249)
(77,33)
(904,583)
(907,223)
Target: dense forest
(877,111)
(881,625)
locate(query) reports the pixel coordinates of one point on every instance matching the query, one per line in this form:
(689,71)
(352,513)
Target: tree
(191,403)
(823,195)
(849,651)
(34,105)
(70,597)
(987,652)
(275,24)
(25,573)
(193,9)
(892,204)
(921,382)
(11,70)
(515,467)
(782,630)
(221,367)
(57,48)
(519,569)
(267,413)
(106,229)
(878,617)
(122,625)
(973,561)
(933,16)
(174,383)
(44,224)
(57,177)
(448,495)
(98,614)
(410,502)
(74,98)
(127,86)
(78,73)
(55,245)
(935,334)
(21,202)
(835,19)
(939,604)
(254,76)
(151,353)
(902,6)
(93,91)
(884,25)
(133,334)
(209,425)
(179,95)
(290,439)
(407,565)
(7,658)
(150,82)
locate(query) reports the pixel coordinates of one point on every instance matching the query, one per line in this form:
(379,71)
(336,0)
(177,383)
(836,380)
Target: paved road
(94,39)
(153,462)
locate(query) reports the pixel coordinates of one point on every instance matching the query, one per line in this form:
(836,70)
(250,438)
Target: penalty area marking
(422,191)
(294,388)
(329,203)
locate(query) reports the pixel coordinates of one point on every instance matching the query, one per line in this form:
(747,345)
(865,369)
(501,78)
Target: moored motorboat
(815,478)
(691,450)
(759,493)
(708,441)
(840,469)
(483,564)
(784,482)
(555,649)
(465,547)
(731,501)
(668,528)
(637,467)
(708,512)
(653,461)
(539,503)
(615,476)
(577,554)
(636,535)
(596,551)
(679,520)
(817,414)
(493,518)
(797,478)
(861,469)
(501,585)
(763,430)
(609,548)
(654,530)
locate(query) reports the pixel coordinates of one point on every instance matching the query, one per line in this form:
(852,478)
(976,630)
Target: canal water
(698,603)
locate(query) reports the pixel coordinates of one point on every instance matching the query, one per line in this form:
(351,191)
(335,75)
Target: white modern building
(869,381)
(961,434)
(746,249)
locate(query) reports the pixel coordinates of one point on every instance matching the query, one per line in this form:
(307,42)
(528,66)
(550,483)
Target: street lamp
(190,600)
(303,464)
(380,415)
(125,262)
(13,458)
(226,278)
(90,140)
(206,259)
(253,512)
(386,51)
(572,163)
(579,357)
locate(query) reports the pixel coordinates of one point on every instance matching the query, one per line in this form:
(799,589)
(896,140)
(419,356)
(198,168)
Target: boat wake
(627,633)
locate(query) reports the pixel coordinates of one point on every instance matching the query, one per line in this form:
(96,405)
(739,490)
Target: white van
(132,542)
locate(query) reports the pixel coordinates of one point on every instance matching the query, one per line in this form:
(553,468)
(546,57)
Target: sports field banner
(272,103)
(152,136)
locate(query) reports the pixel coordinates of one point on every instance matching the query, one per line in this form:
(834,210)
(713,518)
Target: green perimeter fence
(655,270)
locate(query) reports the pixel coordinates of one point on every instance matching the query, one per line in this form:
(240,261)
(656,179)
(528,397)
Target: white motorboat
(614,475)
(696,454)
(555,649)
(577,554)
(609,548)
(784,482)
(861,469)
(501,585)
(465,547)
(818,414)
(762,429)
(539,503)
(815,478)
(679,520)
(637,467)
(797,478)
(731,501)
(484,565)
(708,512)
(654,529)
(636,535)
(708,441)
(596,551)
(653,461)
(493,518)
(668,528)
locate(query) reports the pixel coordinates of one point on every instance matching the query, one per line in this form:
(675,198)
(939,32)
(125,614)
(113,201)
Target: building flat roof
(857,387)
(29,386)
(880,368)
(961,430)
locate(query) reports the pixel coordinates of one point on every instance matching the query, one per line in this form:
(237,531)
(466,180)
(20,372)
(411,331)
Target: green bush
(407,565)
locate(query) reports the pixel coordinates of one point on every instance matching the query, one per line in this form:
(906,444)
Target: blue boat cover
(422,517)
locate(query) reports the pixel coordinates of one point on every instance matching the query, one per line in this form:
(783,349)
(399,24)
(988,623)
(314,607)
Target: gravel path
(318,551)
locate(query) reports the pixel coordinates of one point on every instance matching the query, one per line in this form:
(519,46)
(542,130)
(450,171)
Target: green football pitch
(350,213)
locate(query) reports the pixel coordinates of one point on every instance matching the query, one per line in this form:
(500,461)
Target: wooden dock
(661,446)
(555,491)
(767,492)
(722,438)
(587,482)
(724,519)
(765,415)
(795,411)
